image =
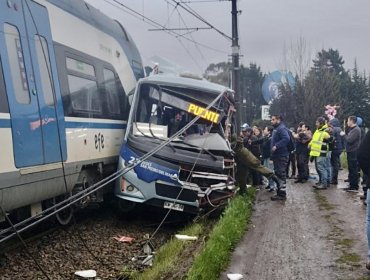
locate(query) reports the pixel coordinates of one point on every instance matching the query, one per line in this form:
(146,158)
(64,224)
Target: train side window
(3,100)
(83,87)
(113,100)
(17,65)
(84,94)
(45,69)
(80,67)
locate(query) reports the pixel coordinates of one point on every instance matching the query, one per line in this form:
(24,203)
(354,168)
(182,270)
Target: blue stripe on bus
(95,125)
(4,123)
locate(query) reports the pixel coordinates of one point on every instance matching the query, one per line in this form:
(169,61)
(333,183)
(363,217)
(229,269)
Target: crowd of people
(288,152)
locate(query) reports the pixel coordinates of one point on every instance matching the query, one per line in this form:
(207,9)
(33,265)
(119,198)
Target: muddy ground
(312,235)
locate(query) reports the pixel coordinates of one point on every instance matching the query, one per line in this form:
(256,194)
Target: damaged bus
(195,170)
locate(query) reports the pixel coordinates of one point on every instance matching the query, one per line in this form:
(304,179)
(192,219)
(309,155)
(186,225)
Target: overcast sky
(265,26)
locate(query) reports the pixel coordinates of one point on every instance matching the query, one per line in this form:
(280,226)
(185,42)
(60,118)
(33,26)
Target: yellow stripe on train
(203,113)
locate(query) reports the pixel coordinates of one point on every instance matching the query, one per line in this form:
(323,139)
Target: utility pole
(235,66)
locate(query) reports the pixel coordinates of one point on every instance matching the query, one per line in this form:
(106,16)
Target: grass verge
(206,260)
(168,257)
(216,254)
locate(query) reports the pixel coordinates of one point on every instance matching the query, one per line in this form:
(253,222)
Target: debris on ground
(234,276)
(121,238)
(186,237)
(86,273)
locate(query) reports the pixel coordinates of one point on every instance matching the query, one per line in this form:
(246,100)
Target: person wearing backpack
(337,149)
(280,153)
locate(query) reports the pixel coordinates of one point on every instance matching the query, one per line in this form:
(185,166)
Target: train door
(33,119)
(46,79)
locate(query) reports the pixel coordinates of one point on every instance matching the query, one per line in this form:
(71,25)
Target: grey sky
(265,26)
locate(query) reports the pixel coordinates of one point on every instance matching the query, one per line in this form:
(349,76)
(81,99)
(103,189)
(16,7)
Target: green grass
(215,256)
(205,259)
(351,259)
(168,258)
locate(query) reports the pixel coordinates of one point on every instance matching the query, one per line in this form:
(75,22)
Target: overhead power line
(155,24)
(196,15)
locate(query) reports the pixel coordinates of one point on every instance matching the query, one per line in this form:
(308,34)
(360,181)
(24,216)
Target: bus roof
(176,81)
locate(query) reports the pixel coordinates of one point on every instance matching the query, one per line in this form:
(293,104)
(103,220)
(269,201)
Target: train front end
(194,171)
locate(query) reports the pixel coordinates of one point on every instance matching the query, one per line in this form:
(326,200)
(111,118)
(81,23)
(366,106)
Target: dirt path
(312,235)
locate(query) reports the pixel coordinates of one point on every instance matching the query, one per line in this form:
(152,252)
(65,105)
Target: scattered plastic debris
(185,237)
(148,248)
(121,238)
(148,260)
(86,273)
(234,276)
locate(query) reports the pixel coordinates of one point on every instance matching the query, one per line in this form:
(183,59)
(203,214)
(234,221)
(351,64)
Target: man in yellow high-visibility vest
(319,152)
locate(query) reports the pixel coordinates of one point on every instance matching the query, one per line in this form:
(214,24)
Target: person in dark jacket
(302,137)
(337,149)
(265,144)
(248,141)
(364,162)
(279,153)
(363,157)
(292,160)
(353,139)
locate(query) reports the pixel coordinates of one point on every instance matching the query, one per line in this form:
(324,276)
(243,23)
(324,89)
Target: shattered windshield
(162,111)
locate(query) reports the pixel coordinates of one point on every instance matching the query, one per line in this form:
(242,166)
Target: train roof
(99,20)
(176,81)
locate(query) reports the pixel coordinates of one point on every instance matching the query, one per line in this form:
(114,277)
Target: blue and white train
(66,71)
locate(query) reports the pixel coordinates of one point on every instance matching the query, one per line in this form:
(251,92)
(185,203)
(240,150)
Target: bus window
(45,69)
(17,66)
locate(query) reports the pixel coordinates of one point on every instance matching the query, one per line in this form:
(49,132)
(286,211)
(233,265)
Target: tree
(297,58)
(251,79)
(219,73)
(356,101)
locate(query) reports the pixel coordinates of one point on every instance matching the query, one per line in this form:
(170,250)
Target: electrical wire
(196,15)
(183,21)
(24,244)
(155,24)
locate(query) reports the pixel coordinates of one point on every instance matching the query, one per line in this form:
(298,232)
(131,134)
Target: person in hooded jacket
(337,149)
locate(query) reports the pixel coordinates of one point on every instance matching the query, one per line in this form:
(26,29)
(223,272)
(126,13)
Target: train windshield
(162,111)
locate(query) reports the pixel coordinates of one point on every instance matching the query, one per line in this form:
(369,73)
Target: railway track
(88,243)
